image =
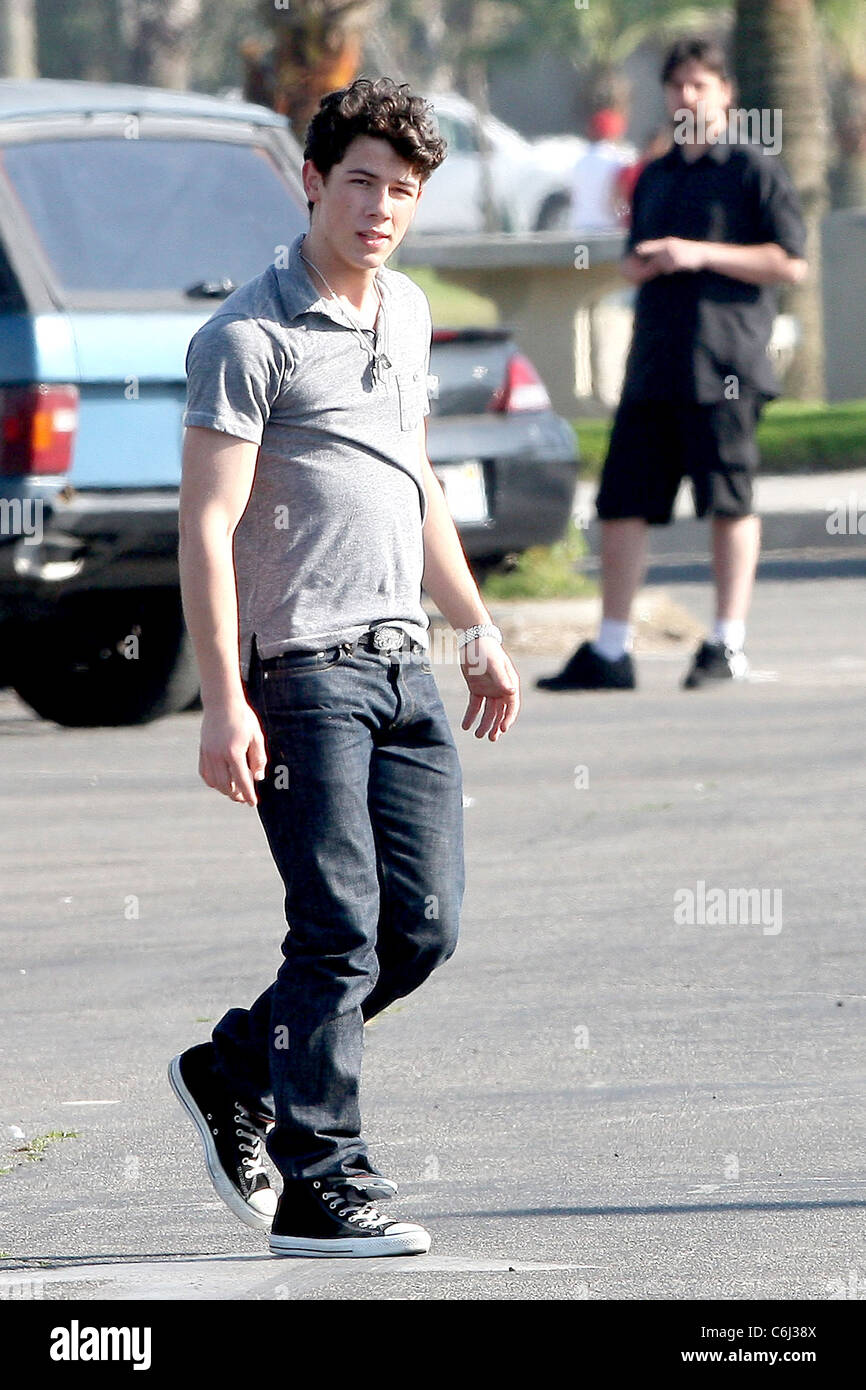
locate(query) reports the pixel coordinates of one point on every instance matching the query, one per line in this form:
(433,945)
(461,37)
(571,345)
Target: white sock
(731,631)
(613,640)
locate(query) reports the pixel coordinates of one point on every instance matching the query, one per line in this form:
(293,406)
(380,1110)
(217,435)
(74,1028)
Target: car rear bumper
(530,465)
(55,538)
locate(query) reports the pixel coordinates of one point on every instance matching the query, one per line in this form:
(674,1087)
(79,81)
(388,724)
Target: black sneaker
(327,1216)
(587,669)
(231,1134)
(234,1160)
(713,661)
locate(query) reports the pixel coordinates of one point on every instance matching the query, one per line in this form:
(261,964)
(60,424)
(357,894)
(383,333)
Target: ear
(313,181)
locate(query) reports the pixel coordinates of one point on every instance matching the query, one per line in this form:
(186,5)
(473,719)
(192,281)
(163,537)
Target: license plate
(465,492)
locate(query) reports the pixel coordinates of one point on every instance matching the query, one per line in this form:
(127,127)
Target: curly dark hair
(381,109)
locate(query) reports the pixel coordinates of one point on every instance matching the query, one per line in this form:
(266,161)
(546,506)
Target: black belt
(384,639)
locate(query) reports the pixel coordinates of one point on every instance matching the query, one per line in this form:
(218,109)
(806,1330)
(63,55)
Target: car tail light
(522,388)
(37,428)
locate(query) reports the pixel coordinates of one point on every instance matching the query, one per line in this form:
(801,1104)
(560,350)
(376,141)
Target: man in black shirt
(715,224)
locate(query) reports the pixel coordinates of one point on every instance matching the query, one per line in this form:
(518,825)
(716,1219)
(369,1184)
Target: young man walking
(714,225)
(309,514)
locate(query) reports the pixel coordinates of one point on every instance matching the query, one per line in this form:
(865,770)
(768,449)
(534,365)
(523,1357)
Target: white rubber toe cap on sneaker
(264,1202)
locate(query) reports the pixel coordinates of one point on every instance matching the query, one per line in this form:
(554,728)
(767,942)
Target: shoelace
(247,1129)
(365,1216)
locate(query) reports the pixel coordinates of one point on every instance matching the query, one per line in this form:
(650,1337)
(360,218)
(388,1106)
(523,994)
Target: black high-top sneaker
(587,669)
(231,1134)
(328,1216)
(712,662)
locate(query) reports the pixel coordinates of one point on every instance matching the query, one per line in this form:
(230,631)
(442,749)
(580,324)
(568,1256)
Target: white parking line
(246,1276)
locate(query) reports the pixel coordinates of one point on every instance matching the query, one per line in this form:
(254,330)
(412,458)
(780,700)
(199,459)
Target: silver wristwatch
(468,634)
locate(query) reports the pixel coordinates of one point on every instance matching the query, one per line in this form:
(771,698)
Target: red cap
(607,124)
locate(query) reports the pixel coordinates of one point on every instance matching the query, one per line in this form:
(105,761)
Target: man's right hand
(232,756)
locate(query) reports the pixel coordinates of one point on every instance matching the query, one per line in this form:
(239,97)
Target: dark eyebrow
(409,182)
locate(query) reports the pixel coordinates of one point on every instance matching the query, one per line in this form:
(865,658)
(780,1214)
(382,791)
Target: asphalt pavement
(640,1077)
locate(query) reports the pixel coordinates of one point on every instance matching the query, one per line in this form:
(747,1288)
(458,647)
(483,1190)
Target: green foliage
(543,571)
(592,437)
(802,437)
(596,33)
(451,305)
(843,22)
(87,41)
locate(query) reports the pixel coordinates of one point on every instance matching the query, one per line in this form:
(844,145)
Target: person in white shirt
(594,183)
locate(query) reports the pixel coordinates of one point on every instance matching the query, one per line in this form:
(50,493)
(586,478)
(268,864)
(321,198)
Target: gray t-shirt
(330,542)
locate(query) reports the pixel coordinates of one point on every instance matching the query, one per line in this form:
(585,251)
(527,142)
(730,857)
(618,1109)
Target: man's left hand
(671,253)
(494,683)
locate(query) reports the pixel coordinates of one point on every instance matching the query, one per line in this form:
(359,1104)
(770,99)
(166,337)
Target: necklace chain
(379,359)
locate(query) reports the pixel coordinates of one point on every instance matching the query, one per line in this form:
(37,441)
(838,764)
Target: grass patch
(543,571)
(800,437)
(452,306)
(793,437)
(592,437)
(34,1150)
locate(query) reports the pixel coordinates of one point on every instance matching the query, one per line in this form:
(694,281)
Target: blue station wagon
(126,214)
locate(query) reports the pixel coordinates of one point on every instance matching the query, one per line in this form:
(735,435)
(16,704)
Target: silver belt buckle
(387,639)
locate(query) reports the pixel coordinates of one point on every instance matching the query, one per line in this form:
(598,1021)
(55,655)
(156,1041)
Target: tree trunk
(778,66)
(18,39)
(438,72)
(476,84)
(159,36)
(427,46)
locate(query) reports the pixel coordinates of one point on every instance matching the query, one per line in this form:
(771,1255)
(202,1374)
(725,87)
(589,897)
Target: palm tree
(317,46)
(777,60)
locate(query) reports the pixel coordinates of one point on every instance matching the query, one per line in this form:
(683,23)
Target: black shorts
(655,444)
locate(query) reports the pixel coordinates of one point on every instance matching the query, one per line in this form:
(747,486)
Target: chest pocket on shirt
(411,386)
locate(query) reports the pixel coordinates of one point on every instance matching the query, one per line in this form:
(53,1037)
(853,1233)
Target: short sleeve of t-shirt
(780,218)
(235,371)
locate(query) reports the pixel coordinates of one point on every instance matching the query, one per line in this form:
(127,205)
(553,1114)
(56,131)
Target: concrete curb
(556,626)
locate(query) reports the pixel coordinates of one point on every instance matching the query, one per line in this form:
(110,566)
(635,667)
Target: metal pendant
(381,365)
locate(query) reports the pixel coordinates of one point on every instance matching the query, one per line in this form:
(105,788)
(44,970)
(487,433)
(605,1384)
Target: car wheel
(484,565)
(106,659)
(555,214)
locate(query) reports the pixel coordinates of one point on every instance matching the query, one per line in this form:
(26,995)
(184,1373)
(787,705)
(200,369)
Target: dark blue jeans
(362,805)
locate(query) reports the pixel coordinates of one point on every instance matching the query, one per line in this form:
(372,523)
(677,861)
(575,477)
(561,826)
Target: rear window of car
(148,214)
